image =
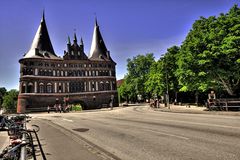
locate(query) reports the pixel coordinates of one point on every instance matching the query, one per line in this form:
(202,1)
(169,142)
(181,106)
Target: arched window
(30,88)
(75,73)
(60,88)
(58,73)
(50,72)
(41,88)
(79,73)
(81,86)
(40,72)
(45,72)
(108,86)
(23,87)
(114,87)
(93,86)
(101,86)
(49,88)
(30,71)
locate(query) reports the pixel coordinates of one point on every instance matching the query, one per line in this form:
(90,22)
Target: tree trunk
(196,98)
(176,98)
(228,88)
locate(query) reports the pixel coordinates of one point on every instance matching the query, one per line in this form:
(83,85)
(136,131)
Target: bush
(77,107)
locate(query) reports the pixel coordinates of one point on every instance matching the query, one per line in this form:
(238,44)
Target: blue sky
(129,27)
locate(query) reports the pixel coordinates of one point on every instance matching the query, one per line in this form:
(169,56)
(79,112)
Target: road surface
(140,133)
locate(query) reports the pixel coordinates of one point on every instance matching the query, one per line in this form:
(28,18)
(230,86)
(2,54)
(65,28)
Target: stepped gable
(75,51)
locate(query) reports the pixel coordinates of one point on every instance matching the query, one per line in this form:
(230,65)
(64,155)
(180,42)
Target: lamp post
(167,94)
(166,76)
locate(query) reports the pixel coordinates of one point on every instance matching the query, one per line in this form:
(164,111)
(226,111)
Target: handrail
(40,146)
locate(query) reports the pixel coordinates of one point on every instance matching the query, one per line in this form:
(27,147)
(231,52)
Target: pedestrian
(157,103)
(48,109)
(60,108)
(111,104)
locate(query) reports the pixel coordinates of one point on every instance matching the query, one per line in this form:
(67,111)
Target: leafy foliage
(138,70)
(162,73)
(155,82)
(209,56)
(10,100)
(2,93)
(77,107)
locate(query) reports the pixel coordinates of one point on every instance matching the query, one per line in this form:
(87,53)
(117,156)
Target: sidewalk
(4,140)
(194,110)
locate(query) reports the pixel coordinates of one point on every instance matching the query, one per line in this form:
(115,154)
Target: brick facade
(47,79)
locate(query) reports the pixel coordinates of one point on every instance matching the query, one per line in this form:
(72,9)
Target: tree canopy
(208,59)
(138,69)
(2,93)
(10,100)
(162,73)
(210,55)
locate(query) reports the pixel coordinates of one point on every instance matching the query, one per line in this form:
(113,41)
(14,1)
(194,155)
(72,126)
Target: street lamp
(166,76)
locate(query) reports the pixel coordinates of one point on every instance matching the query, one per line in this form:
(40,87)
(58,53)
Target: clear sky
(129,27)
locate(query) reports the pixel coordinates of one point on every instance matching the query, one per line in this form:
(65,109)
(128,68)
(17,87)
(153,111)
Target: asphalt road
(140,133)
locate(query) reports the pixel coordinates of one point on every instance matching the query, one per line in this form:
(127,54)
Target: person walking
(111,104)
(60,108)
(48,109)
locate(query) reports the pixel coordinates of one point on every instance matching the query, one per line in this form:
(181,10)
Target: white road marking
(168,134)
(69,120)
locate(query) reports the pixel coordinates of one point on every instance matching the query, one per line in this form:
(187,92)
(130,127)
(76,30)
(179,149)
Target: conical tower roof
(41,45)
(98,48)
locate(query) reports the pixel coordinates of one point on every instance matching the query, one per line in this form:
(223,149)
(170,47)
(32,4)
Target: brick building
(47,79)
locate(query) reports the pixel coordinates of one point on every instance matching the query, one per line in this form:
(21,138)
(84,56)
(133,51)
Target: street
(139,133)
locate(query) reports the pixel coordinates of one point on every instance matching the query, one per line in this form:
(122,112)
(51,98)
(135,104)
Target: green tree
(210,55)
(10,100)
(138,70)
(155,84)
(2,93)
(125,92)
(162,74)
(170,66)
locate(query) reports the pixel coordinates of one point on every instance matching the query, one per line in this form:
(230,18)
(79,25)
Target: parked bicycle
(21,139)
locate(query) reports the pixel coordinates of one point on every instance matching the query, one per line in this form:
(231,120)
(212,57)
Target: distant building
(47,79)
(120,82)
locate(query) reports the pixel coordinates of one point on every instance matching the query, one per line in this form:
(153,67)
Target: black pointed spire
(75,37)
(41,41)
(81,42)
(98,47)
(96,23)
(69,41)
(43,16)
